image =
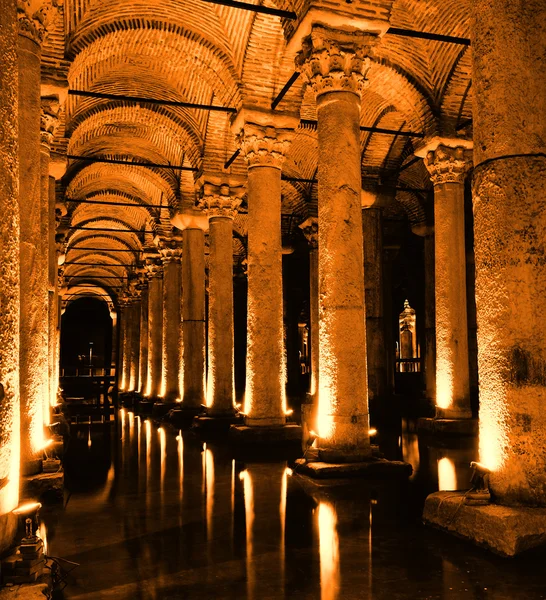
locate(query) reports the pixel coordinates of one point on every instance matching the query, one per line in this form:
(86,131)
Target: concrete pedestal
(506,530)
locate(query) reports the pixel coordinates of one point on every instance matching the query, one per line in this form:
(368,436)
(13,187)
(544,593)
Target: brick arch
(112,195)
(168,139)
(457,95)
(413,206)
(100,293)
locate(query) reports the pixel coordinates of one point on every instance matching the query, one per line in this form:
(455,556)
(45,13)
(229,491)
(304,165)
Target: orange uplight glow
(444,382)
(447,478)
(494,440)
(27,508)
(47,443)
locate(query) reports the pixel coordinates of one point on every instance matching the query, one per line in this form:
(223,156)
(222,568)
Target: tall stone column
(264,149)
(372,233)
(143,357)
(447,167)
(220,205)
(172,321)
(509,191)
(48,124)
(427,232)
(134,342)
(155,327)
(335,63)
(310,230)
(124,344)
(33,324)
(9,266)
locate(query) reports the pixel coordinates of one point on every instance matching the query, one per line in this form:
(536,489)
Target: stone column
(221,208)
(372,233)
(143,360)
(155,327)
(447,167)
(509,191)
(193,317)
(48,124)
(172,321)
(335,63)
(264,149)
(33,324)
(310,231)
(9,266)
(124,344)
(427,232)
(134,343)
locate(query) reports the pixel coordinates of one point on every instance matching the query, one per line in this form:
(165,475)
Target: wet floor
(152,514)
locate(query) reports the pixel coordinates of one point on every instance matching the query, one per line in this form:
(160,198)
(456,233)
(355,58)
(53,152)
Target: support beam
(285,89)
(119,161)
(313,123)
(425,35)
(114,203)
(285,14)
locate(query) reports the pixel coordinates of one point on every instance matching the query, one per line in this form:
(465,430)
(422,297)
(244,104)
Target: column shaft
(220,368)
(372,232)
(172,328)
(314,320)
(134,356)
(343,384)
(9,266)
(193,317)
(123,347)
(509,191)
(452,370)
(430,319)
(52,295)
(265,368)
(155,335)
(143,367)
(32,333)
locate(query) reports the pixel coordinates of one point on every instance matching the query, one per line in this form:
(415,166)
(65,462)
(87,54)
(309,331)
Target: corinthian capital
(336,61)
(448,165)
(49,119)
(34,16)
(220,199)
(154,268)
(263,145)
(171,251)
(310,230)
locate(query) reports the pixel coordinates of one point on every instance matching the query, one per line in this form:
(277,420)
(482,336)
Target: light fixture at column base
(373,468)
(505,530)
(448,426)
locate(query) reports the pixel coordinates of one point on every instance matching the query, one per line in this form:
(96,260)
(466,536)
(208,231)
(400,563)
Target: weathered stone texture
(172,324)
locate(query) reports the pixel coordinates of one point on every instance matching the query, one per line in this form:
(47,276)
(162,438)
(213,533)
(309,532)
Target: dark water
(152,514)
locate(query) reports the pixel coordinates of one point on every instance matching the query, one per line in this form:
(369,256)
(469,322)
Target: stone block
(375,468)
(24,592)
(283,434)
(448,426)
(205,424)
(44,484)
(506,530)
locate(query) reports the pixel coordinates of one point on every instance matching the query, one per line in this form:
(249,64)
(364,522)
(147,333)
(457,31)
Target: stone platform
(215,425)
(432,426)
(506,530)
(44,486)
(34,591)
(375,468)
(284,434)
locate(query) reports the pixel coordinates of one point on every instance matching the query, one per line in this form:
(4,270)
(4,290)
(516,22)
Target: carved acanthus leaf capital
(264,146)
(34,17)
(310,230)
(171,251)
(448,165)
(49,119)
(221,200)
(336,61)
(154,268)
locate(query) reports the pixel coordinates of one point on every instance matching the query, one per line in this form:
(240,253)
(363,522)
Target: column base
(181,416)
(216,423)
(43,486)
(274,435)
(161,408)
(435,426)
(505,530)
(31,467)
(372,468)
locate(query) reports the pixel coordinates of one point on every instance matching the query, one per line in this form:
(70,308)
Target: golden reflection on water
(410,448)
(328,551)
(209,490)
(180,448)
(246,478)
(447,478)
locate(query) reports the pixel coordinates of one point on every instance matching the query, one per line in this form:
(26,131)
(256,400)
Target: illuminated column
(427,232)
(264,149)
(155,327)
(124,343)
(221,208)
(336,63)
(310,231)
(509,189)
(48,124)
(9,265)
(134,343)
(372,233)
(143,360)
(172,321)
(447,167)
(33,324)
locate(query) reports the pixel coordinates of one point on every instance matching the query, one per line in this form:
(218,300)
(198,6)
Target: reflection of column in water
(208,478)
(410,447)
(447,479)
(148,428)
(453,465)
(162,450)
(180,447)
(328,551)
(265,512)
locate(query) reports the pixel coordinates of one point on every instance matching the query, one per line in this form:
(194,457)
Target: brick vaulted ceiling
(199,52)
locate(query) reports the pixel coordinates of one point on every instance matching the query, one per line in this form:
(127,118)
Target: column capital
(154,268)
(448,165)
(49,119)
(171,251)
(310,230)
(334,60)
(263,145)
(33,17)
